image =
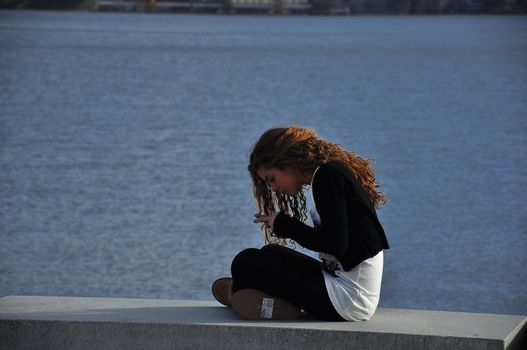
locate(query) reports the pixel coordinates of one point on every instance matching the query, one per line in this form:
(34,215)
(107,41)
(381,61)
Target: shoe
(252,304)
(222,290)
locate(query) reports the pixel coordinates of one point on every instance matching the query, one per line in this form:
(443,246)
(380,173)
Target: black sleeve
(332,236)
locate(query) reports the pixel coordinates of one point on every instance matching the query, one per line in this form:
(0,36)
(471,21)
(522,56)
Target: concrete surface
(32,322)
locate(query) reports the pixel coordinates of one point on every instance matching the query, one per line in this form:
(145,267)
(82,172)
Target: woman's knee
(244,259)
(250,255)
(270,247)
(276,249)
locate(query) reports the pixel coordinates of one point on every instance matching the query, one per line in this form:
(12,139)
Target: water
(124,141)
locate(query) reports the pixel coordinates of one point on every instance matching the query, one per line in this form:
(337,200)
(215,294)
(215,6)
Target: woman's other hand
(267,220)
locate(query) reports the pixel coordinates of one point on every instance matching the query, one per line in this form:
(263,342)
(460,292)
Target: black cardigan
(349,228)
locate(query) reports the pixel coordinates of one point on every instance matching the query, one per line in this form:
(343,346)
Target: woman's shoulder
(332,169)
(334,166)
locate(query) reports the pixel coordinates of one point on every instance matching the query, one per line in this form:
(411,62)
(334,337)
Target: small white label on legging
(267,308)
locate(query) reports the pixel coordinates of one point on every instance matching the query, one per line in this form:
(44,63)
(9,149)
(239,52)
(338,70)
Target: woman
(276,282)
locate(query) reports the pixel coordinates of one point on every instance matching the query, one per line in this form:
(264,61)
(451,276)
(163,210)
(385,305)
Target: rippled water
(124,142)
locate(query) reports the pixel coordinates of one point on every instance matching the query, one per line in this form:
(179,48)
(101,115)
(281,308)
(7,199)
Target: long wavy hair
(302,151)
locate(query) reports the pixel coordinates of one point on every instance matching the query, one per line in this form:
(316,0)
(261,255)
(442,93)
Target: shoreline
(279,7)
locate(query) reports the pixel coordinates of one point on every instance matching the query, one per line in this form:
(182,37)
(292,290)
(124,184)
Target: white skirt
(355,293)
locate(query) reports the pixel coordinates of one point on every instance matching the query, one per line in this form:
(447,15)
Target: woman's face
(281,180)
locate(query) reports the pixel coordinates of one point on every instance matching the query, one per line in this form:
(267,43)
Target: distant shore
(282,7)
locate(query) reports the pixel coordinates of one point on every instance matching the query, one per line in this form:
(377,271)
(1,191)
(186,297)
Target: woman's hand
(267,220)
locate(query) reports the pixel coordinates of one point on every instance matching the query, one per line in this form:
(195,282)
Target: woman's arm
(331,236)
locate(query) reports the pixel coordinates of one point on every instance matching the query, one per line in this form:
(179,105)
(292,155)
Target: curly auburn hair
(302,151)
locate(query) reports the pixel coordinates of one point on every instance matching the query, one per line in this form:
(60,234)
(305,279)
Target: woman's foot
(222,290)
(252,304)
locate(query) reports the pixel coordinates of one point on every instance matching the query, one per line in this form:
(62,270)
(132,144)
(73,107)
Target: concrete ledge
(28,322)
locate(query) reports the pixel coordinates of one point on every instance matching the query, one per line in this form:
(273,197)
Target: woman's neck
(307,178)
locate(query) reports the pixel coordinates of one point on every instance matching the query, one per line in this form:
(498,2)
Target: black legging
(287,274)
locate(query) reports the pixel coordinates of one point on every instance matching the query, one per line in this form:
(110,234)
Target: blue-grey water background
(124,141)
